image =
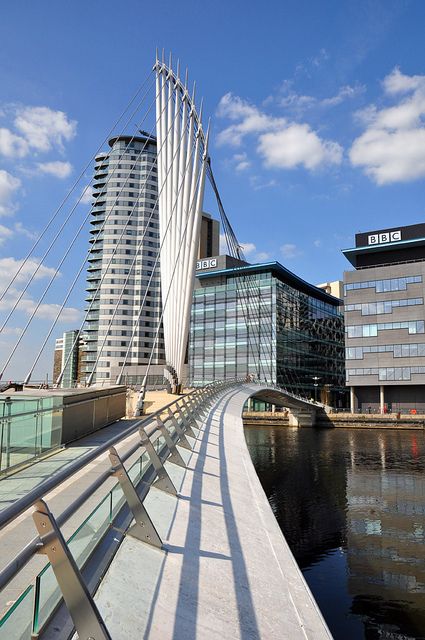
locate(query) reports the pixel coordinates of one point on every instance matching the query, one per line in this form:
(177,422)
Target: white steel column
(352,400)
(382,398)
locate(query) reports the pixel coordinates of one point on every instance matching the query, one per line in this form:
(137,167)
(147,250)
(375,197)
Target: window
(381,286)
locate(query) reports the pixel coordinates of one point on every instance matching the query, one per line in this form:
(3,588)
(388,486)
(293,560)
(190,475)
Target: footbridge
(183,544)
(159,528)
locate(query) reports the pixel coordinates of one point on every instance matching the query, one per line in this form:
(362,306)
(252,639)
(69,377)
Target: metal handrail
(21,505)
(8,514)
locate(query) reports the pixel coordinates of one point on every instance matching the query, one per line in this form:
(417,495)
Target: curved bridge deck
(227,571)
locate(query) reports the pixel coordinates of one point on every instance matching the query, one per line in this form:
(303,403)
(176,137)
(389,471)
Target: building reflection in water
(351,504)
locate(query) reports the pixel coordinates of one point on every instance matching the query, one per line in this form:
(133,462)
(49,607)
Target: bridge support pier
(302,417)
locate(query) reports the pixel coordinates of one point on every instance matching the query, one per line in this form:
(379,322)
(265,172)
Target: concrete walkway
(226,570)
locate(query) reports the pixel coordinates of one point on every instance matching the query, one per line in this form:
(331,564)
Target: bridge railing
(62,577)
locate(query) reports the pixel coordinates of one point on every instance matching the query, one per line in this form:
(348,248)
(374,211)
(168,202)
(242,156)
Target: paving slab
(226,570)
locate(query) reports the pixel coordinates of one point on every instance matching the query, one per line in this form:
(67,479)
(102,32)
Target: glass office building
(265,321)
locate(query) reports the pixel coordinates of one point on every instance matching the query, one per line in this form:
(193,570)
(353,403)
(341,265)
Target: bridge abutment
(302,417)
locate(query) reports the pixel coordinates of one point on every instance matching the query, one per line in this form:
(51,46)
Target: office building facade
(265,321)
(385,320)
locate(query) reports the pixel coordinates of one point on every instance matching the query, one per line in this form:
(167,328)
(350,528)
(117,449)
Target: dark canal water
(351,504)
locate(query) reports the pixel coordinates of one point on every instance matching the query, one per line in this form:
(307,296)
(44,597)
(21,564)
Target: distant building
(385,320)
(334,288)
(69,353)
(264,320)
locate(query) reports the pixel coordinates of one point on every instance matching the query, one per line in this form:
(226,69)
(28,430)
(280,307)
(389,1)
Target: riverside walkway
(225,570)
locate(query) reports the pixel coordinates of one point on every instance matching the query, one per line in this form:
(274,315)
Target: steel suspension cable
(81,175)
(59,233)
(108,265)
(67,253)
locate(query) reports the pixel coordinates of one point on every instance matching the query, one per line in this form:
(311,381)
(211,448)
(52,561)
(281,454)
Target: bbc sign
(206,264)
(382,238)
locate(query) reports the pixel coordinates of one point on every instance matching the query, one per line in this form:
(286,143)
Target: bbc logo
(206,264)
(382,238)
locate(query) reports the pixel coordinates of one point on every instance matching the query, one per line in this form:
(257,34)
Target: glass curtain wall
(233,331)
(257,324)
(310,344)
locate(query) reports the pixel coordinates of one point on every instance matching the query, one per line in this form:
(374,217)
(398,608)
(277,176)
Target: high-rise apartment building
(124,246)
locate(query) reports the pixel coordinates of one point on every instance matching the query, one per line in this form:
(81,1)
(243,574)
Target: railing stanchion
(143,529)
(186,420)
(83,611)
(174,454)
(183,441)
(163,480)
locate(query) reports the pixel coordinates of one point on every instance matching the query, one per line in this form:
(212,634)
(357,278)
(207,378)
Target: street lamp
(316,384)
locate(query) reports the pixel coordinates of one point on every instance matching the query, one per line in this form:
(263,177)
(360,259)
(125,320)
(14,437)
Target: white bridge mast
(182,161)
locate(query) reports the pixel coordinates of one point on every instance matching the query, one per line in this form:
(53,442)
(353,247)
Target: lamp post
(316,384)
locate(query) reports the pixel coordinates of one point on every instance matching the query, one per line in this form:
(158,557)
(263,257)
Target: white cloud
(262,256)
(281,144)
(50,311)
(392,147)
(45,128)
(248,247)
(257,183)
(58,169)
(87,195)
(8,185)
(241,162)
(9,266)
(290,251)
(5,233)
(252,120)
(345,93)
(46,311)
(23,231)
(297,145)
(317,243)
(11,145)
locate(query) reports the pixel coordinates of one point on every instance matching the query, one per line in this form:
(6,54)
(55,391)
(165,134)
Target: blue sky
(317,115)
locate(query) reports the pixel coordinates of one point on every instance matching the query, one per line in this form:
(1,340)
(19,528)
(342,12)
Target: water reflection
(351,505)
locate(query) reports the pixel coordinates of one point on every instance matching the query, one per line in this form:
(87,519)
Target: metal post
(143,529)
(183,442)
(163,481)
(82,609)
(185,419)
(352,400)
(8,402)
(174,454)
(190,414)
